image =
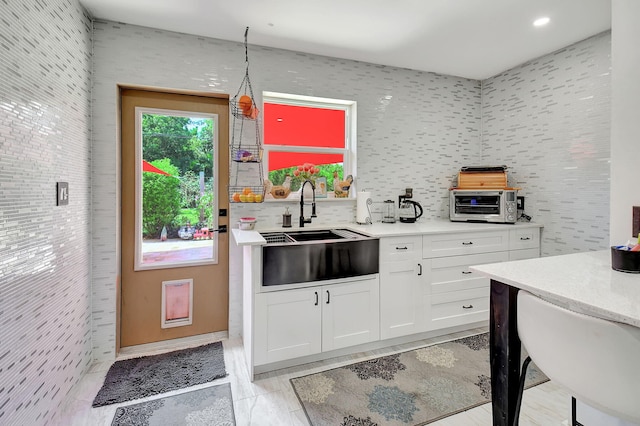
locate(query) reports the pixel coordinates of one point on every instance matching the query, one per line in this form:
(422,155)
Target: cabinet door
(350,314)
(402,303)
(287,324)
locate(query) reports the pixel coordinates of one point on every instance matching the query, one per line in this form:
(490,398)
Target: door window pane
(175,189)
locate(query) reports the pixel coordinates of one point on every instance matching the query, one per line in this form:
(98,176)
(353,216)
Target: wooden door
(175,273)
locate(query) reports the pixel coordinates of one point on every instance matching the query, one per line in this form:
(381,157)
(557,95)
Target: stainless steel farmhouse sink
(316,255)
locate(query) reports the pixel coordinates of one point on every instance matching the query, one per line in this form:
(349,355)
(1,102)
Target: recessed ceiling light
(540,22)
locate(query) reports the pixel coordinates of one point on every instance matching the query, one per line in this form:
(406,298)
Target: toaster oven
(483,205)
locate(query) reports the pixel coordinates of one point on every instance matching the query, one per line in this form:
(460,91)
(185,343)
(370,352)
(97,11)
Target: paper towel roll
(363,211)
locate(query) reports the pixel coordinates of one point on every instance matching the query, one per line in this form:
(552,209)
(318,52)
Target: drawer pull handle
(328,297)
(420,270)
(316,304)
(402,248)
(467,272)
(467,243)
(525,238)
(467,306)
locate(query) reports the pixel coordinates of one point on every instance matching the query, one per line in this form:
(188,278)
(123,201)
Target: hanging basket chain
(244,150)
(245,86)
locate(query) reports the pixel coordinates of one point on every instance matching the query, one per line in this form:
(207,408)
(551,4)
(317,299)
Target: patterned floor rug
(212,406)
(151,375)
(410,388)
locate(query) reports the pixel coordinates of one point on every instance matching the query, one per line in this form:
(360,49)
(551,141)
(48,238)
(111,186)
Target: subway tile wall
(45,298)
(549,120)
(414,129)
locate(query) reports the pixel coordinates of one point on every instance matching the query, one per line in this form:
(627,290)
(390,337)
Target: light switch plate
(62,190)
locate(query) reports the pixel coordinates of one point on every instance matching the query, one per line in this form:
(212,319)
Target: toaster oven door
(469,204)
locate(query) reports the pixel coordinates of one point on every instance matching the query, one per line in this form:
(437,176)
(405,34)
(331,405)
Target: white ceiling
(469,38)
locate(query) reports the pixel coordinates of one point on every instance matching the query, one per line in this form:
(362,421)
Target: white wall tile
(549,120)
(45,299)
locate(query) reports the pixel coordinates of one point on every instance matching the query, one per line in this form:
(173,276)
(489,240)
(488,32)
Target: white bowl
(248,219)
(246,226)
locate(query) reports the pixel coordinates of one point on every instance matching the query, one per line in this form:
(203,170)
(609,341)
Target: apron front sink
(317,255)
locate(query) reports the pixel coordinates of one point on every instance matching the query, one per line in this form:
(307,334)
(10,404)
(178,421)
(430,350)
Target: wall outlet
(520,202)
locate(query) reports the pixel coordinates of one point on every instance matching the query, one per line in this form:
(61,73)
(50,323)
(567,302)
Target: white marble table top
(582,282)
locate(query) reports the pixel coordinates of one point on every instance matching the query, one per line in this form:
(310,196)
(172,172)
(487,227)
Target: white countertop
(582,282)
(387,229)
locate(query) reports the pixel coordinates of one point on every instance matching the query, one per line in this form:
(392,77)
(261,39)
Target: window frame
(349,151)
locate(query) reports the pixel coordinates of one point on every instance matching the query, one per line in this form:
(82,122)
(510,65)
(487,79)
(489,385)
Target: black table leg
(504,352)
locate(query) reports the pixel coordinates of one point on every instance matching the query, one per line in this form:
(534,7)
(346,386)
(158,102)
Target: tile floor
(270,399)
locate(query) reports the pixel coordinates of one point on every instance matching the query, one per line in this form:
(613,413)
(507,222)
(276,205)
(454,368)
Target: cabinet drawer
(459,307)
(452,273)
(440,245)
(524,254)
(524,238)
(395,249)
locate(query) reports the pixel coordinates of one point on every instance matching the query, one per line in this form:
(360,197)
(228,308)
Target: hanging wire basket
(246,194)
(246,154)
(246,146)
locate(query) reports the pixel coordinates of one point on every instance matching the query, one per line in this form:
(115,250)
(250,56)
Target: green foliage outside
(186,141)
(327,170)
(182,147)
(161,198)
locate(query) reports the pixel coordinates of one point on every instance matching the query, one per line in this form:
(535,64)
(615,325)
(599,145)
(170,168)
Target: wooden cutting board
(482,180)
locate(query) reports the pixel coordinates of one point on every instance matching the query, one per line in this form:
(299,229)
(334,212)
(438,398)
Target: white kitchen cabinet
(424,287)
(460,296)
(460,307)
(350,314)
(455,244)
(294,323)
(288,324)
(524,243)
(402,280)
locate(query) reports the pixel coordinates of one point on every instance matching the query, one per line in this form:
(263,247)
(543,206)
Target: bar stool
(596,360)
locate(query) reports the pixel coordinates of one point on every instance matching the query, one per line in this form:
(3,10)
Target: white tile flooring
(270,399)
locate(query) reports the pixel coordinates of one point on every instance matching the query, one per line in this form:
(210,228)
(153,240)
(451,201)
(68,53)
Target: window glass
(309,138)
(175,188)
